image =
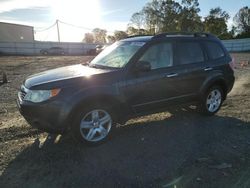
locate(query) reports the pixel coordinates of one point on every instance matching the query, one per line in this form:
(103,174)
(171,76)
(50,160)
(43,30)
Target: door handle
(208,69)
(171,75)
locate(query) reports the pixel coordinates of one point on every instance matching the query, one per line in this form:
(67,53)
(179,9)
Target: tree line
(160,16)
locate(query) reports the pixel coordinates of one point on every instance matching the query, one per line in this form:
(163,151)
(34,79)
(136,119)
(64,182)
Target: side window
(214,50)
(159,55)
(189,52)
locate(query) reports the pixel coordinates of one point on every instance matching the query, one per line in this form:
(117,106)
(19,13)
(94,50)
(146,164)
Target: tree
(132,31)
(233,31)
(152,16)
(88,38)
(99,35)
(170,15)
(137,20)
(189,19)
(216,22)
(242,20)
(159,16)
(120,35)
(111,39)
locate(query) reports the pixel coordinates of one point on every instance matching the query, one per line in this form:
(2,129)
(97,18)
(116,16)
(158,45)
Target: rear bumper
(230,84)
(48,117)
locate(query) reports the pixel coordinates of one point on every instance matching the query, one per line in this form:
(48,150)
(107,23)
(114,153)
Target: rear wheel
(212,100)
(93,125)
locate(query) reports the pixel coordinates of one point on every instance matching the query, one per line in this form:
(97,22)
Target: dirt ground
(179,148)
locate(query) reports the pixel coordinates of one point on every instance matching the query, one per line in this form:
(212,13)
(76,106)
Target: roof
(15,24)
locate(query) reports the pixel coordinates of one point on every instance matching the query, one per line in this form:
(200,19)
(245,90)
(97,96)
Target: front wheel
(212,100)
(93,126)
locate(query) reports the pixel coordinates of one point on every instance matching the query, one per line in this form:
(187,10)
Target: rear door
(192,67)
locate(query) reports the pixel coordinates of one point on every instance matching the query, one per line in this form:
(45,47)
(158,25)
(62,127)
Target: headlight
(40,95)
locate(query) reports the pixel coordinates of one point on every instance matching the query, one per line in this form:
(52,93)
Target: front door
(150,90)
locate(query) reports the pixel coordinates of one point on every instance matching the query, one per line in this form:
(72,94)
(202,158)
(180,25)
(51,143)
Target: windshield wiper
(101,66)
(94,66)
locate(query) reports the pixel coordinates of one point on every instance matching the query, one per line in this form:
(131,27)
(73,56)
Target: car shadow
(140,154)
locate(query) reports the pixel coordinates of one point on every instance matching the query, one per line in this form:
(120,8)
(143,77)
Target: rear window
(215,51)
(189,52)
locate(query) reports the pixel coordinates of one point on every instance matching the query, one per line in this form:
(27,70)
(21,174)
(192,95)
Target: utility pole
(58,32)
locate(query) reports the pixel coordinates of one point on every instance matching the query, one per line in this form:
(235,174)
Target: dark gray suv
(135,76)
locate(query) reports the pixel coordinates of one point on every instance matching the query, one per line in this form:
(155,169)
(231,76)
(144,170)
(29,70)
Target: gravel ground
(178,148)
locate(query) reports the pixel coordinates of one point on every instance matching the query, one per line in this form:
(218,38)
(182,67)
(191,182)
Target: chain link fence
(237,45)
(34,48)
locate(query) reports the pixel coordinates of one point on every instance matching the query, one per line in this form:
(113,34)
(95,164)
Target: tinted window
(214,50)
(189,52)
(159,55)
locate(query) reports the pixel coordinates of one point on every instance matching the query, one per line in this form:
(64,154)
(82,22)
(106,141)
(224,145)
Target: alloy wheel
(95,125)
(214,99)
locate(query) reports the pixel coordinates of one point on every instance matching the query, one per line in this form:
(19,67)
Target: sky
(87,14)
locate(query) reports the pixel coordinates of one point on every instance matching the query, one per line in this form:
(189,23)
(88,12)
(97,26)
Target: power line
(57,26)
(45,38)
(81,27)
(69,24)
(46,28)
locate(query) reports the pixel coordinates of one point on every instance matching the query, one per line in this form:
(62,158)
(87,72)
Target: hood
(63,73)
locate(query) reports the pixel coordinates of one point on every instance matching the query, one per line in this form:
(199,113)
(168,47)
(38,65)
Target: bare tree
(137,20)
(242,20)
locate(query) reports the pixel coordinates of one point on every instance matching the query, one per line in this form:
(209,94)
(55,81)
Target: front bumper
(47,116)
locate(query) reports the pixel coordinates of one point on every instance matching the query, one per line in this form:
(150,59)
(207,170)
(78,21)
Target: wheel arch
(116,105)
(219,81)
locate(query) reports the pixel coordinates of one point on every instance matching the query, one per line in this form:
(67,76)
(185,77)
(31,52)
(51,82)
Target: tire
(212,100)
(93,124)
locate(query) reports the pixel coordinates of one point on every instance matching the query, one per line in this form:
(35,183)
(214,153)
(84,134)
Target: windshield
(117,55)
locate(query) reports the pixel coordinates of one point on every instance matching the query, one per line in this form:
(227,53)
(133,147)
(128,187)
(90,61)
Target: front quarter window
(117,55)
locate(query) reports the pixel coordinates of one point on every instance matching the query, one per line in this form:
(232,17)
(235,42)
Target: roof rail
(202,34)
(182,34)
(132,36)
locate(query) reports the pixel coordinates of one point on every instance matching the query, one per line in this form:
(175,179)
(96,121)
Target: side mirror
(143,66)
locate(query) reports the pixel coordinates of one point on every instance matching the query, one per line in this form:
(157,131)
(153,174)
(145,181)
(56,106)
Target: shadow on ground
(158,153)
